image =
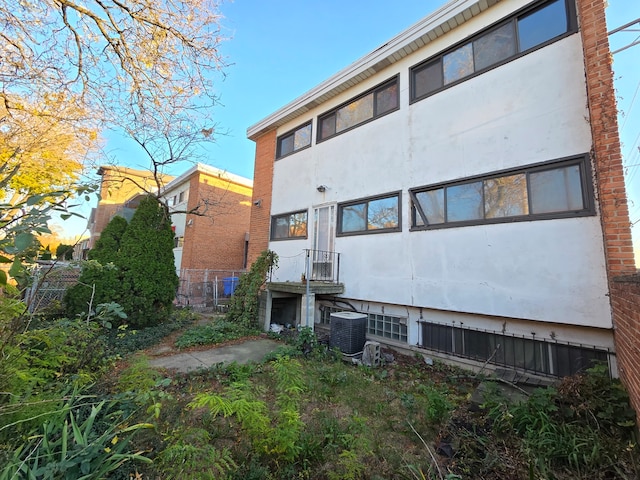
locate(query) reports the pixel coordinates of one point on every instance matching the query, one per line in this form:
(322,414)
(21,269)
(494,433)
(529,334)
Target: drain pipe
(307,292)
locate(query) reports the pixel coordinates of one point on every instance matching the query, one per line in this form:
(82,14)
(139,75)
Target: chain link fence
(50,282)
(206,290)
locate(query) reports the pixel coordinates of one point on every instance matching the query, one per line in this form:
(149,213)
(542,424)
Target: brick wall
(606,152)
(262,186)
(117,185)
(625,297)
(216,239)
(612,199)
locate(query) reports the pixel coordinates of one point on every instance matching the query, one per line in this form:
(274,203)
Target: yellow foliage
(45,143)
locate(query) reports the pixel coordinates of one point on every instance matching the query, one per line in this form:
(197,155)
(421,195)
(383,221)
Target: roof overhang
(435,25)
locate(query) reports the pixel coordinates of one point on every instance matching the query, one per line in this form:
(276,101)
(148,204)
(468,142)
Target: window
(387,326)
(529,354)
(181,197)
(178,242)
(295,140)
(548,190)
(289,225)
(379,101)
(518,35)
(370,215)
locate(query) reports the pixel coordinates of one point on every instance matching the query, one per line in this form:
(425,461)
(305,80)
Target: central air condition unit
(348,331)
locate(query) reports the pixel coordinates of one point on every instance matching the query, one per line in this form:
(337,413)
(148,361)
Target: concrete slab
(245,352)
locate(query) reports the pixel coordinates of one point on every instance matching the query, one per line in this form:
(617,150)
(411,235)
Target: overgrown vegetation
(132,263)
(243,307)
(302,414)
(218,331)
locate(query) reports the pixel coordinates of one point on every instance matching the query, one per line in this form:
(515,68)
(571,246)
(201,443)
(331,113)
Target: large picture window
(370,215)
(549,190)
(289,226)
(376,102)
(518,35)
(295,140)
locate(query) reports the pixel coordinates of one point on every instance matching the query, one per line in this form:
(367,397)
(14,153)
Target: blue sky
(280,49)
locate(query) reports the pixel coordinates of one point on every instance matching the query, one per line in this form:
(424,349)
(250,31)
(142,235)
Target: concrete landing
(245,352)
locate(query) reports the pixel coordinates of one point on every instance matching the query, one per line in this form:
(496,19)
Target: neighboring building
(211,225)
(469,174)
(215,234)
(81,249)
(118,186)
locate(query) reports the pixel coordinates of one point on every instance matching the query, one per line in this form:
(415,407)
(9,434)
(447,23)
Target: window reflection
(506,196)
(531,191)
(290,225)
(379,101)
(353,218)
(493,47)
(377,214)
(382,213)
(458,64)
(464,202)
(302,137)
(427,79)
(542,25)
(354,113)
(432,203)
(556,190)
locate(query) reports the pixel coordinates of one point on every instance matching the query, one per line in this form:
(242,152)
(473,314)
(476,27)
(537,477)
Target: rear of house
(460,186)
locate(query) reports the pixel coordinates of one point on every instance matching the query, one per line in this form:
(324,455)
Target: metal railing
(539,356)
(323,266)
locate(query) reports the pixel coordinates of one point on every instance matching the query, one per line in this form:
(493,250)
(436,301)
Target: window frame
(395,80)
(586,184)
(365,200)
(274,219)
(572,27)
(290,133)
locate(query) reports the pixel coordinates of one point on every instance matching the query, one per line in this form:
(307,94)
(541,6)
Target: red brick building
(211,216)
(118,185)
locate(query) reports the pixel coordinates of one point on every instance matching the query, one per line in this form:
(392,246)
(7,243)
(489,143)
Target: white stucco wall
(530,110)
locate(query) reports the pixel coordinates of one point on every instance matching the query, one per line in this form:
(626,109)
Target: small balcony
(320,274)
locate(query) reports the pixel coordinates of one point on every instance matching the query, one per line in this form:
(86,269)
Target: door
(323,258)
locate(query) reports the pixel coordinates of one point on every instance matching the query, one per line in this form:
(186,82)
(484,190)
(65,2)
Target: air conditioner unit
(348,331)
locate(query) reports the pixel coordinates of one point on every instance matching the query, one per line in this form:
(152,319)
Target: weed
(190,456)
(218,331)
(67,447)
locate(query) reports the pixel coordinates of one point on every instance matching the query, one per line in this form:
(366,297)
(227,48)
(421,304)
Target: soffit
(430,28)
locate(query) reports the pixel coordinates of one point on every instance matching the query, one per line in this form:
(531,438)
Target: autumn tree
(71,69)
(145,66)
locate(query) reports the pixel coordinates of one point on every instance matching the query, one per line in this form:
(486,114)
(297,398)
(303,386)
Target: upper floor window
(498,44)
(295,140)
(289,225)
(549,190)
(374,103)
(370,215)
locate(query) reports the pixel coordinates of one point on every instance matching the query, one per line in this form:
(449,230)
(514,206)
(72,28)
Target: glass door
(323,258)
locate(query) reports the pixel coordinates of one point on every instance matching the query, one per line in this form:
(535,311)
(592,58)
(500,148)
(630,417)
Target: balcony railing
(323,266)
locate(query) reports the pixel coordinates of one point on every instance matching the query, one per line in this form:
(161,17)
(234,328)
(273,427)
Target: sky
(280,49)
